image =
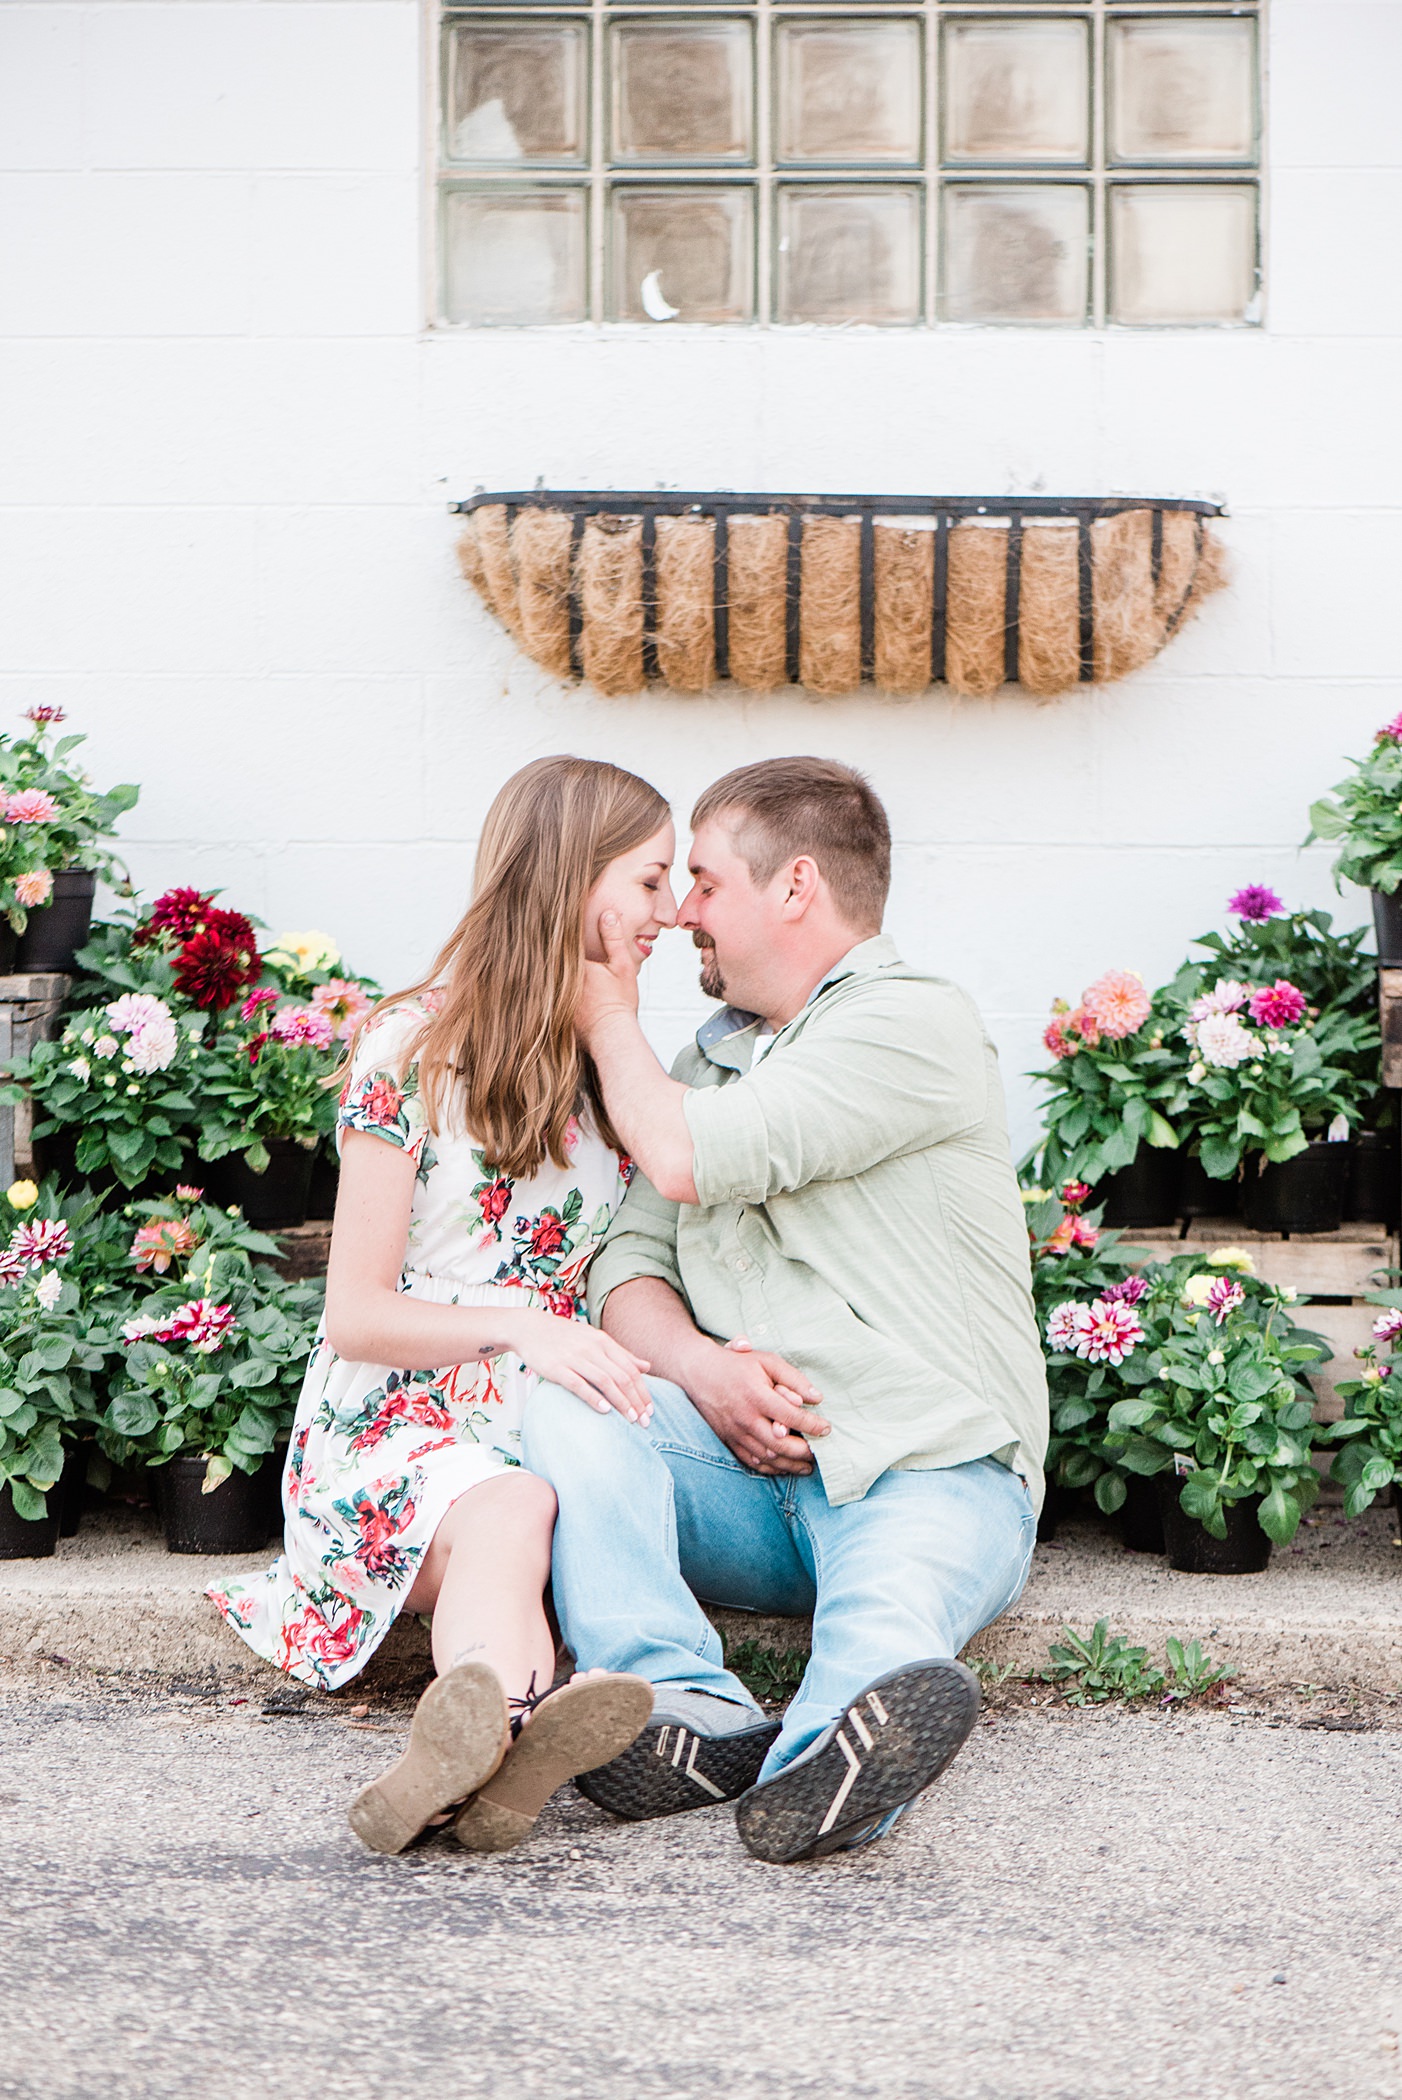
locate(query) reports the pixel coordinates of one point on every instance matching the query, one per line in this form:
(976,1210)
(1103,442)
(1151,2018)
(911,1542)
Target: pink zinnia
(1255,902)
(1074,1193)
(31,806)
(204,1326)
(301,1029)
(46,1240)
(1106,1332)
(1224,1298)
(40,716)
(186,1194)
(34,888)
(344,1003)
(1117,1002)
(256,1001)
(1277,1005)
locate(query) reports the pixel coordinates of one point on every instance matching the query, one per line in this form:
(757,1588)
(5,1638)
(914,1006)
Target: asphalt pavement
(1087,1905)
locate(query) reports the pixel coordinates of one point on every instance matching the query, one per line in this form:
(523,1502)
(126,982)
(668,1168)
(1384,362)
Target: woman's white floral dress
(377,1454)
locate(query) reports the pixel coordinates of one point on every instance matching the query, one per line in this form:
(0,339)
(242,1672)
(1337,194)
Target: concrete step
(1328,1610)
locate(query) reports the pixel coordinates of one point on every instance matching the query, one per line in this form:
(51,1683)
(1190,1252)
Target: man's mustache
(702,940)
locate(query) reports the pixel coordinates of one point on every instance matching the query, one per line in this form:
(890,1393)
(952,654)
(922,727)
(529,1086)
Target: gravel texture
(1089,1904)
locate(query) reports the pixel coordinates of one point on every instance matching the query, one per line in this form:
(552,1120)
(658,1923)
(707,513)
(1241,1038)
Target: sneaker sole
(895,1737)
(582,1725)
(669,1769)
(458,1736)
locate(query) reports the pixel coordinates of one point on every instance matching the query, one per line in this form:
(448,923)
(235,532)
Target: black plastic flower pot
(1193,1551)
(1144,1193)
(1199,1196)
(72,1489)
(239,1516)
(1303,1194)
(58,929)
(9,947)
(325,1181)
(1141,1518)
(1374,1178)
(24,1538)
(277,1196)
(1058,1505)
(1387,925)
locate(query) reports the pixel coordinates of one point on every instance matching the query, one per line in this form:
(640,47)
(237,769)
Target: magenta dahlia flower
(302,1029)
(204,1326)
(1224,1297)
(256,1001)
(1388,1325)
(30,806)
(1391,732)
(12,1268)
(45,1240)
(178,912)
(1255,902)
(1106,1332)
(1130,1292)
(1278,1005)
(1061,1326)
(42,716)
(1074,1193)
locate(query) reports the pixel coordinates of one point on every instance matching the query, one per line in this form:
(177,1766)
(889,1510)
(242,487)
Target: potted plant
(1079,1272)
(1364,813)
(1222,1417)
(1274,1091)
(1338,981)
(310,967)
(57,1280)
(1371,1428)
(1117,1074)
(212,1356)
(266,1105)
(54,823)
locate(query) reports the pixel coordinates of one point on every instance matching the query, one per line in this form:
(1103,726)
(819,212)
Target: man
(823,1258)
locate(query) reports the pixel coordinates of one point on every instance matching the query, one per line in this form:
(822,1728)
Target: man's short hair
(814,806)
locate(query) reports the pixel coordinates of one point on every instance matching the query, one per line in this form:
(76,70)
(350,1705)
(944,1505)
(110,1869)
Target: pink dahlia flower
(1255,902)
(256,1001)
(204,1326)
(157,1244)
(1388,1325)
(185,1193)
(145,1327)
(31,806)
(34,889)
(301,1029)
(12,1268)
(1061,1327)
(42,716)
(1391,732)
(1226,997)
(43,1241)
(1106,1332)
(1117,1002)
(344,1003)
(1074,1193)
(1277,1005)
(1224,1297)
(1130,1292)
(1054,1037)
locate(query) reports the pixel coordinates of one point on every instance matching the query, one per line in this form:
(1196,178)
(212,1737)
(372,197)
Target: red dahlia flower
(180,912)
(212,971)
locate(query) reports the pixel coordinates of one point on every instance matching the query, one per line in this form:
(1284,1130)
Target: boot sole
(458,1736)
(669,1769)
(894,1738)
(577,1728)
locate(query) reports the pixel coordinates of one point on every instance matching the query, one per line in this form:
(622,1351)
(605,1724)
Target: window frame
(764,174)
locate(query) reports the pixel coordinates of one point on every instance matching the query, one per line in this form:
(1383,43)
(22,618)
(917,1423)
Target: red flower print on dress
(379,1525)
(408,1404)
(547,1236)
(383,1101)
(494,1200)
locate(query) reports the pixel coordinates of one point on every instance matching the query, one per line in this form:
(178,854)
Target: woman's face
(638,886)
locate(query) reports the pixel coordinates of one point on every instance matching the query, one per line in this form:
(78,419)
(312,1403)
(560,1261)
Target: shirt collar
(728,1036)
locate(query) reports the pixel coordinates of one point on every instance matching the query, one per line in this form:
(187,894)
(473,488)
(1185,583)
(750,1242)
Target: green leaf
(29,1502)
(1279,1516)
(133,1414)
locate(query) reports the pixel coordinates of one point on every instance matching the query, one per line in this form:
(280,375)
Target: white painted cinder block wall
(227,439)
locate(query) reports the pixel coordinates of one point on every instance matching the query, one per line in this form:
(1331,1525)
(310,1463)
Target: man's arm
(759,1406)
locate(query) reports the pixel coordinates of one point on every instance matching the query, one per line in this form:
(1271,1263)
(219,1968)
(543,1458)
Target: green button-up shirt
(857,1212)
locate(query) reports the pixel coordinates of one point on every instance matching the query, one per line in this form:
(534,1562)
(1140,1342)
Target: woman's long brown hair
(499,1057)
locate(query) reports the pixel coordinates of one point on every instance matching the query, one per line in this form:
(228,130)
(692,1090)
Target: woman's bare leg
(484,1578)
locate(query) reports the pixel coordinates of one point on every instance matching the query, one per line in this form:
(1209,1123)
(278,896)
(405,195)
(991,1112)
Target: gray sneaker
(696,1750)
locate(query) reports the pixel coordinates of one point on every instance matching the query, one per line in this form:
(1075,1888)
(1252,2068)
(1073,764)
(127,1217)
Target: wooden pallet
(30,1013)
(1333,1270)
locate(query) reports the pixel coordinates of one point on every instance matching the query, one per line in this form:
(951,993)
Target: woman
(478,1175)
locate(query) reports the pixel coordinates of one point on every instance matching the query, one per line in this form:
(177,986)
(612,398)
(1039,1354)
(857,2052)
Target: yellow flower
(22,1195)
(1232,1258)
(304,951)
(1034,1195)
(1196,1288)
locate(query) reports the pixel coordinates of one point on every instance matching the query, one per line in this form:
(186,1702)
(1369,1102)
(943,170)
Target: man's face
(732,922)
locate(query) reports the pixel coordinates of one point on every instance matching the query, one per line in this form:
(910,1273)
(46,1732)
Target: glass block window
(1020,163)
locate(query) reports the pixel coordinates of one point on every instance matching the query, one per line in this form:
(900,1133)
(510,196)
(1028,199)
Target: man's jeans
(649,1516)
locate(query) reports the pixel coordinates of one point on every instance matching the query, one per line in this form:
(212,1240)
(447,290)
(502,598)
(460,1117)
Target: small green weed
(771,1674)
(990,1675)
(1091,1668)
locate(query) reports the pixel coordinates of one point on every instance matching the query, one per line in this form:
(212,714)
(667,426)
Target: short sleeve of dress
(381,1093)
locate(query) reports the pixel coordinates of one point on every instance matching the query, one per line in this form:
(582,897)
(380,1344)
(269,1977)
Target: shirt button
(742,1261)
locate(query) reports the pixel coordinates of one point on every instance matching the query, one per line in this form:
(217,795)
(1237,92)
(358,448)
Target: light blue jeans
(651,1519)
